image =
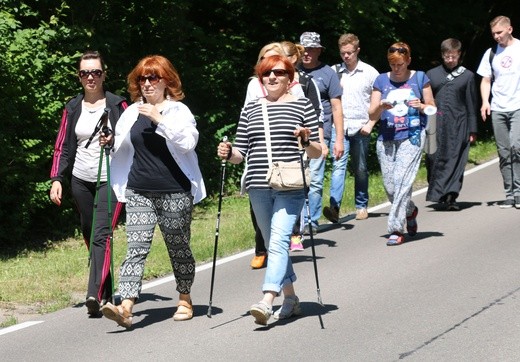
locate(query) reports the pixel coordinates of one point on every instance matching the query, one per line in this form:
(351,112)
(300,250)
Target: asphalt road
(450,294)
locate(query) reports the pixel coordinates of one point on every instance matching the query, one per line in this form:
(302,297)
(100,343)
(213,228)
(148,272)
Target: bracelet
(306,143)
(230,153)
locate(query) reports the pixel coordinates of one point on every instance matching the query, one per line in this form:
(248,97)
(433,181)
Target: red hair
(269,62)
(160,66)
(396,56)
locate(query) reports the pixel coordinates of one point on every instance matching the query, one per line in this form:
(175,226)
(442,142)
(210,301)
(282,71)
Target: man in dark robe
(456,125)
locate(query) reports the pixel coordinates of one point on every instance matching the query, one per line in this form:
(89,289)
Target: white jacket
(178,128)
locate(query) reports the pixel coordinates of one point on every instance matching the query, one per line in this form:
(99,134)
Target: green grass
(57,277)
(9,321)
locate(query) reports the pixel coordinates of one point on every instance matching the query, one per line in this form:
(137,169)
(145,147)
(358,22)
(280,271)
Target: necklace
(92,110)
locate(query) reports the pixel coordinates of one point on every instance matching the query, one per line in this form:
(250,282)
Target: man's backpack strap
(491,56)
(305,82)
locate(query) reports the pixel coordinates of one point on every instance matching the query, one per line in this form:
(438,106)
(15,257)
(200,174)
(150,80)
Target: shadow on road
(310,309)
(462,205)
(421,236)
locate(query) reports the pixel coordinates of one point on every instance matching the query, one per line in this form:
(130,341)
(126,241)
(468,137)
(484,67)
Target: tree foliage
(213,44)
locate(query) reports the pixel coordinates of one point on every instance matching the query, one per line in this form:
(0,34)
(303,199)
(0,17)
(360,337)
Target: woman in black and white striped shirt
(289,118)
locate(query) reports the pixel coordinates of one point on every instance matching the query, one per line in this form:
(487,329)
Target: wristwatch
(306,143)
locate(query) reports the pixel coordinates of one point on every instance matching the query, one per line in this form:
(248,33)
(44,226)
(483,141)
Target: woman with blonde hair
(310,90)
(301,86)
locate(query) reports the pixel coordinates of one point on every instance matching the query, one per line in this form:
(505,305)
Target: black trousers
(100,280)
(259,240)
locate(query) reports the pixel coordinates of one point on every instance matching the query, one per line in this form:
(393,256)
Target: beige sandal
(118,314)
(184,311)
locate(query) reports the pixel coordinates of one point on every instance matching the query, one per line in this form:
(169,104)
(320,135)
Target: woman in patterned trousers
(155,171)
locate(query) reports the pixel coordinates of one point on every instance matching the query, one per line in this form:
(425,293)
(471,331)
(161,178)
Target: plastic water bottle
(430,144)
(414,133)
(414,124)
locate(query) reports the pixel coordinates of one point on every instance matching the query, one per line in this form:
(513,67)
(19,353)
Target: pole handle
(223,162)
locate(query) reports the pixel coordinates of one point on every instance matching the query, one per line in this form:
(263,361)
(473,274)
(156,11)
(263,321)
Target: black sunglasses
(153,79)
(96,73)
(399,50)
(277,72)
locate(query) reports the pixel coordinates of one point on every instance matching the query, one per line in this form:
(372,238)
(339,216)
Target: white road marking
(17,327)
(209,265)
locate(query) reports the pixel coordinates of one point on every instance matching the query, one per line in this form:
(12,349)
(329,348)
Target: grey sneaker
(290,307)
(508,204)
(306,230)
(517,202)
(262,312)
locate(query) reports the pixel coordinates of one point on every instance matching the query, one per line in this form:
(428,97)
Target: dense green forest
(212,43)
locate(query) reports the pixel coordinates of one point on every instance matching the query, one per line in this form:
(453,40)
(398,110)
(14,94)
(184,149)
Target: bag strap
(267,131)
(454,74)
(265,117)
(492,53)
(305,82)
(420,81)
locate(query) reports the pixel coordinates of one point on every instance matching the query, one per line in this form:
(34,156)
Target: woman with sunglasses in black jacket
(76,159)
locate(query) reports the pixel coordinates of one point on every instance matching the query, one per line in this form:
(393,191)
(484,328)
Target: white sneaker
(290,307)
(361,214)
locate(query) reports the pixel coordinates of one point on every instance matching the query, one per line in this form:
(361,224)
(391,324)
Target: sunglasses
(153,79)
(399,50)
(96,73)
(277,72)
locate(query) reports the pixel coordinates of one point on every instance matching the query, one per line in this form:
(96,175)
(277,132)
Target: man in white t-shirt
(501,78)
(356,79)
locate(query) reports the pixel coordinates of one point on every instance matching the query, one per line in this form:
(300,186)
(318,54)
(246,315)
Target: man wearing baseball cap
(333,135)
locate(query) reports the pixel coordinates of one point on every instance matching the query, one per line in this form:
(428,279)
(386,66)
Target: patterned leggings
(399,161)
(172,212)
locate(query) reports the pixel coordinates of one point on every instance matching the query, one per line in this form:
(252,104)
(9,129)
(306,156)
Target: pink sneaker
(296,243)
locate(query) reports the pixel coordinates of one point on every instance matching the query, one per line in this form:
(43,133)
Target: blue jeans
(276,212)
(506,127)
(358,156)
(337,184)
(339,171)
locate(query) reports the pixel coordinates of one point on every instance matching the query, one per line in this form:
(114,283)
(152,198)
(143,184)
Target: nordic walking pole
(94,212)
(98,181)
(309,223)
(103,125)
(107,131)
(217,228)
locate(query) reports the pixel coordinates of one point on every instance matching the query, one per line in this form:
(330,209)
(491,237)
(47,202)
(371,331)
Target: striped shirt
(284,118)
